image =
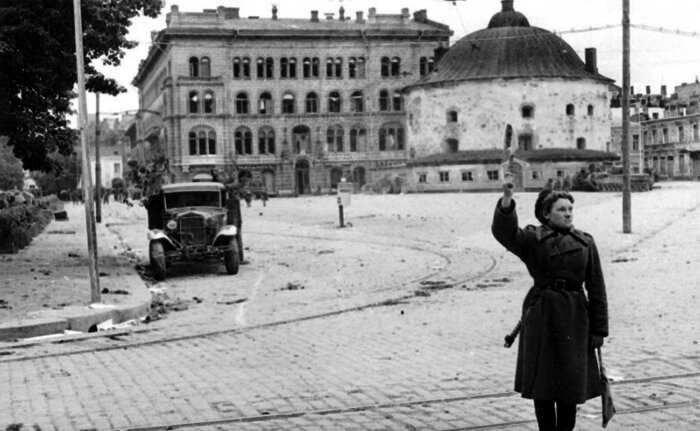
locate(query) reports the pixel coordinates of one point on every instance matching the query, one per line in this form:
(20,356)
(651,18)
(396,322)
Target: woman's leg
(566,416)
(544,410)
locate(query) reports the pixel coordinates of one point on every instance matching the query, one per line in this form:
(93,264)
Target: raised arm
(505,223)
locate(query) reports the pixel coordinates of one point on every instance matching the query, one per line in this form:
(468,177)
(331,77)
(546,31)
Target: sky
(657,58)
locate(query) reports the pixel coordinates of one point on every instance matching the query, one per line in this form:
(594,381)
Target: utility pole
(87,181)
(98,165)
(626,198)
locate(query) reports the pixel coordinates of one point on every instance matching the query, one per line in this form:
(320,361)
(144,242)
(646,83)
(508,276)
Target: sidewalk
(46,288)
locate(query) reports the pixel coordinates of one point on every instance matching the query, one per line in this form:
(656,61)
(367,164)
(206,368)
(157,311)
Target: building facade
(294,104)
(510,88)
(672,142)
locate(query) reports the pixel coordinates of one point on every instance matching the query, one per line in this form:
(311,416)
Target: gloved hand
(596,341)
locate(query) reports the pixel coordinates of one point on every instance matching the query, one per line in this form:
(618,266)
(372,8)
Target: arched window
(237,67)
(311,103)
(204,67)
(202,141)
(391,137)
(284,63)
(397,101)
(385,64)
(590,110)
(581,143)
(361,67)
(209,104)
(426,65)
(194,67)
(338,67)
(352,67)
(266,140)
(242,103)
(306,67)
(329,67)
(243,141)
(269,67)
(334,101)
(508,140)
(358,139)
(383,100)
(265,104)
(292,68)
(194,102)
(260,68)
(246,67)
(288,103)
(570,109)
(527,111)
(315,66)
(334,136)
(357,100)
(395,66)
(452,116)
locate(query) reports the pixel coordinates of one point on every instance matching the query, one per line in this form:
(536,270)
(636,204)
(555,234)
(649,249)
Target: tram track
(414,292)
(366,408)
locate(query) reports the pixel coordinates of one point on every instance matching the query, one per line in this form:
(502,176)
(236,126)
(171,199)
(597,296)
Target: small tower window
(528,111)
(581,143)
(451,116)
(570,109)
(590,110)
(452,145)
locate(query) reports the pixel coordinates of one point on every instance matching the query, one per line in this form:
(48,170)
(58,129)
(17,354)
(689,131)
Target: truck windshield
(192,199)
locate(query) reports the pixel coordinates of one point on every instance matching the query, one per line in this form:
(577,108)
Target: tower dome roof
(509,48)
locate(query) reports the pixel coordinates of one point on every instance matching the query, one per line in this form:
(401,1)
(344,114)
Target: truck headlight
(172,224)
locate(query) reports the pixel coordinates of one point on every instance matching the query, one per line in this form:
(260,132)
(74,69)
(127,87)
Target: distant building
(294,104)
(510,88)
(672,142)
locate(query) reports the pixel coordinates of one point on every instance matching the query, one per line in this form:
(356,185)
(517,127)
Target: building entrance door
(302,177)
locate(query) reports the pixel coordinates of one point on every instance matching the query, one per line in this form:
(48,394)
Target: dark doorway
(336,175)
(302,177)
(358,176)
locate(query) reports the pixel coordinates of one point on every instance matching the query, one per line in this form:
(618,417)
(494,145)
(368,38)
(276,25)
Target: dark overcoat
(555,359)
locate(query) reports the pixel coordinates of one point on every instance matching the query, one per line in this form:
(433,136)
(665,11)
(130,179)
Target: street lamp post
(626,198)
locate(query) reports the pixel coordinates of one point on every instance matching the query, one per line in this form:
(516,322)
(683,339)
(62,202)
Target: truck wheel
(156,254)
(231,258)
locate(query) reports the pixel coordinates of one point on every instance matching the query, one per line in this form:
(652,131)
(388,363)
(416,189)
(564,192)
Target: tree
(64,174)
(11,172)
(37,67)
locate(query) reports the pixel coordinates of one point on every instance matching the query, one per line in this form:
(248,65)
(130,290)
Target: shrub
(19,224)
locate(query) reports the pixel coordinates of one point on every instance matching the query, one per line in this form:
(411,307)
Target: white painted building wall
(484,108)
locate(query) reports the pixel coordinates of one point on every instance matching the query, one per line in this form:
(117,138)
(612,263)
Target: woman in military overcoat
(561,324)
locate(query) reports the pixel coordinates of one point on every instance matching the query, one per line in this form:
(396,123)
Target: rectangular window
(422,178)
(535,175)
(635,142)
(695,133)
(444,176)
(492,175)
(665,138)
(681,134)
(467,176)
(117,168)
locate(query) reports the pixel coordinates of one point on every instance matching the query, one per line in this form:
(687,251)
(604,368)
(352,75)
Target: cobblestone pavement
(424,361)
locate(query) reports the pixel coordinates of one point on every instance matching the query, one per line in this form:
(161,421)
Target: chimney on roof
(314,16)
(372,14)
(274,11)
(329,15)
(648,89)
(507,6)
(228,12)
(663,90)
(404,13)
(420,15)
(359,17)
(341,14)
(591,60)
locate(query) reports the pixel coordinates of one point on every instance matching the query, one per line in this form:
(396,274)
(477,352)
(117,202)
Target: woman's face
(562,214)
